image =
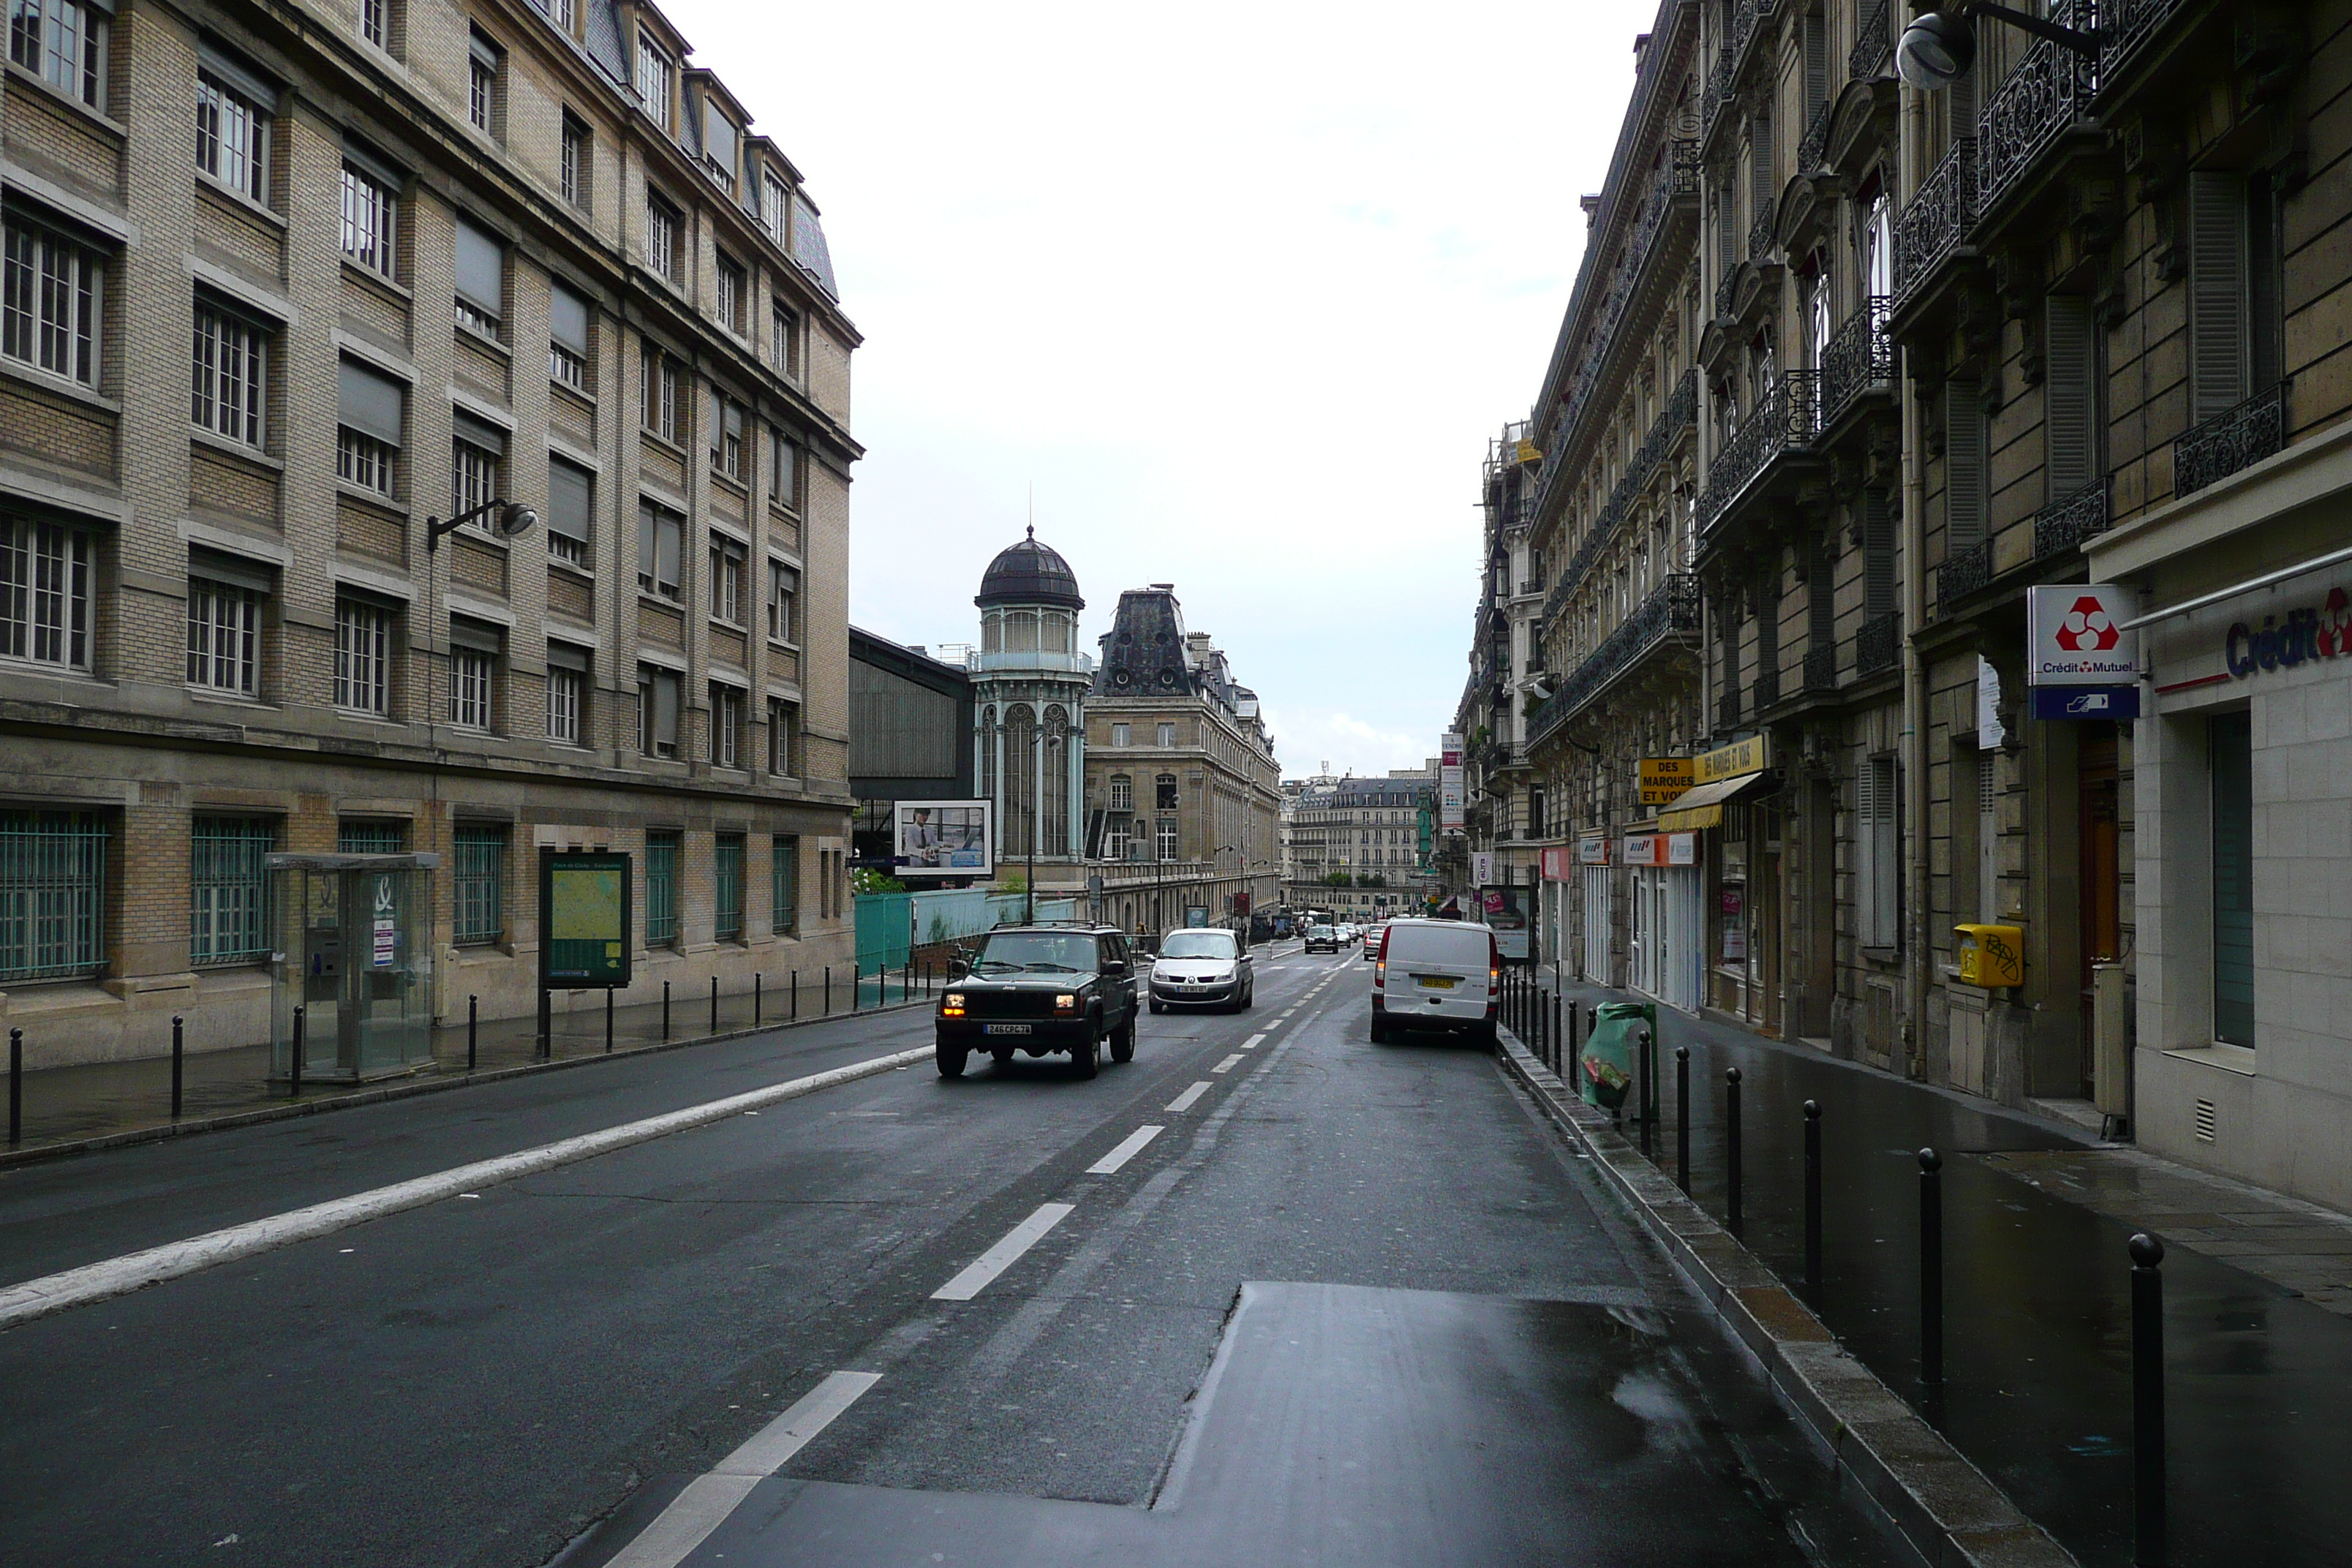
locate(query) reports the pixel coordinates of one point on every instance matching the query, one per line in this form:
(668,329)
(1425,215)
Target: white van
(1438,974)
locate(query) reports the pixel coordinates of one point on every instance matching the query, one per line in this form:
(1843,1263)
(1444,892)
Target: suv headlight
(1066,1003)
(952,1004)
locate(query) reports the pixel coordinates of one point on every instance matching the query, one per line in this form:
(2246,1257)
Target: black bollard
(1558,1057)
(176,1065)
(608,1020)
(1931,1269)
(714,1003)
(828,990)
(1813,1202)
(664,1009)
(856,979)
(473,1028)
(1575,1033)
(16,1087)
(756,978)
(795,1011)
(294,1076)
(1734,1220)
(2147,1401)
(1682,1119)
(1641,1077)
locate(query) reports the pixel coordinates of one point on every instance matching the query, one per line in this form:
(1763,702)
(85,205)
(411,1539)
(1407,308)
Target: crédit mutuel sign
(2081,662)
(2307,635)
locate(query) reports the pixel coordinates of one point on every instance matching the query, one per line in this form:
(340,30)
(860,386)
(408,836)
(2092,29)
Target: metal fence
(52,894)
(228,917)
(890,926)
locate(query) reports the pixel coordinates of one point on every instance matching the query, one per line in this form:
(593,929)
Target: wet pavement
(2037,1326)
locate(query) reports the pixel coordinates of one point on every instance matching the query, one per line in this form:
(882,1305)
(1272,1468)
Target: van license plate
(1006,1029)
(1436,982)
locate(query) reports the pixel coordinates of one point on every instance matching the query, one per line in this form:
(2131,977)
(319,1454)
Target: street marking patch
(1228,1064)
(1129,1148)
(1184,1101)
(1004,1254)
(1251,1044)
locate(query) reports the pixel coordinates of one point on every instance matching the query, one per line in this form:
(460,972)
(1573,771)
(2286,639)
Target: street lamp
(1037,737)
(512,520)
(1939,47)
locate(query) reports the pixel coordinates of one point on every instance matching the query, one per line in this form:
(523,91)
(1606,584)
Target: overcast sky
(1243,291)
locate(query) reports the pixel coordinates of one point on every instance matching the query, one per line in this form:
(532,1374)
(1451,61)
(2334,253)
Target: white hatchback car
(1202,966)
(1438,974)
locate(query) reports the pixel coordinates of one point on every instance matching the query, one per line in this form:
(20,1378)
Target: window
(784,894)
(229,376)
(660,388)
(228,890)
(45,593)
(365,461)
(785,471)
(1122,793)
(362,656)
(1163,792)
(783,739)
(473,480)
(566,688)
(1878,886)
(52,894)
(63,42)
(727,560)
(1166,847)
(577,148)
(369,209)
(661,238)
(720,140)
(734,288)
(571,513)
(482,279)
(658,707)
(727,437)
(661,537)
(1117,840)
(565,14)
(653,72)
(1119,734)
(1167,734)
(568,338)
(370,408)
(473,677)
(784,596)
(786,348)
(727,887)
(232,130)
(50,301)
(371,836)
(481,888)
(2229,757)
(224,636)
(374,22)
(482,84)
(661,889)
(725,726)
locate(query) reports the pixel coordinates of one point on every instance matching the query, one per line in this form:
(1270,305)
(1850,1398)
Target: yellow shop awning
(1702,807)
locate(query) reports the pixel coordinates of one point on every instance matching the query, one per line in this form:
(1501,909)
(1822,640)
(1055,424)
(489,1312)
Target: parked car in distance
(1444,975)
(1202,967)
(1322,939)
(1373,935)
(1041,989)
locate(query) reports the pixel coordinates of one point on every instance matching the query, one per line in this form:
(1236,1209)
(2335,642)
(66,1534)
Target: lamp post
(1937,46)
(1040,742)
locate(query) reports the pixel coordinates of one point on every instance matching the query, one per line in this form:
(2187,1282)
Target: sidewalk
(2037,1294)
(115,1102)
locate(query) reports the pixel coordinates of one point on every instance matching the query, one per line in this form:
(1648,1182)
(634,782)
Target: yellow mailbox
(1991,956)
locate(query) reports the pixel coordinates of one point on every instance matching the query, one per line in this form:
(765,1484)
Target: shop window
(2229,757)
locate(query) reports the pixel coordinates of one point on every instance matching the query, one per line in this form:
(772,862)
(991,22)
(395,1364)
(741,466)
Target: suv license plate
(1006,1029)
(1436,982)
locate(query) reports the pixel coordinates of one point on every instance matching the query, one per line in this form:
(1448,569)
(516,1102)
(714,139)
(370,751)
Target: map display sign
(584,902)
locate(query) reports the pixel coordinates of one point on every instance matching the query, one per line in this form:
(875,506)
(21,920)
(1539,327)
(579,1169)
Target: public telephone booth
(355,953)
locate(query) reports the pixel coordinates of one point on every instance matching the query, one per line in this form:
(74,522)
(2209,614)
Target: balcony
(1760,234)
(1767,685)
(1820,668)
(1727,710)
(1874,48)
(1816,143)
(1859,358)
(1726,289)
(2222,445)
(2048,94)
(1936,219)
(1964,572)
(1671,610)
(2064,524)
(2124,25)
(1680,409)
(1784,422)
(1878,644)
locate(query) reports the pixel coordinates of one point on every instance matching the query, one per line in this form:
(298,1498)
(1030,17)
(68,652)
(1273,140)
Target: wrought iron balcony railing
(1726,709)
(1858,357)
(1760,234)
(2228,442)
(1671,609)
(1936,218)
(2064,523)
(1964,572)
(1680,409)
(1723,291)
(1767,685)
(1785,421)
(1820,667)
(1878,644)
(2046,94)
(1814,148)
(2126,25)
(1873,47)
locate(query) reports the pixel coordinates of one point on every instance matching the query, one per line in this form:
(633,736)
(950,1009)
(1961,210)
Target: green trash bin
(1606,1069)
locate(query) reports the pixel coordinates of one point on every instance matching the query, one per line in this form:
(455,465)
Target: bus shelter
(353,968)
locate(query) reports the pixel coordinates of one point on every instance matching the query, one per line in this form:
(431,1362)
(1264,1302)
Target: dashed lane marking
(1004,1254)
(1129,1148)
(1184,1101)
(1251,1044)
(1228,1064)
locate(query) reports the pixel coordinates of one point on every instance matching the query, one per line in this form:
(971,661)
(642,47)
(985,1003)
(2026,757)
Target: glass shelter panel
(354,957)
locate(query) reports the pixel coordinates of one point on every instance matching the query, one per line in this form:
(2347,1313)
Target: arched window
(992,632)
(1053,834)
(988,755)
(1024,632)
(1020,779)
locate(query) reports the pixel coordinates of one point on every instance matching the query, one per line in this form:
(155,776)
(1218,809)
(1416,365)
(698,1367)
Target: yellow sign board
(1528,453)
(1748,756)
(1663,779)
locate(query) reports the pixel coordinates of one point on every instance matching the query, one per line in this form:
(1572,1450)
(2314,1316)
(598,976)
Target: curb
(1918,1485)
(188,1126)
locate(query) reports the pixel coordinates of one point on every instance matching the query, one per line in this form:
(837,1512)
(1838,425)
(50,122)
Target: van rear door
(1441,971)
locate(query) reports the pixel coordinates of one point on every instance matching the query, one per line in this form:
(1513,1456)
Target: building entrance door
(2099,837)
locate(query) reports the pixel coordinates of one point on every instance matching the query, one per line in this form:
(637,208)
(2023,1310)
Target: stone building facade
(1030,689)
(429,258)
(1356,845)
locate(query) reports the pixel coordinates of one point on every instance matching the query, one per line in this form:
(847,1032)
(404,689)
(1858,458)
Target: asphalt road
(1447,1336)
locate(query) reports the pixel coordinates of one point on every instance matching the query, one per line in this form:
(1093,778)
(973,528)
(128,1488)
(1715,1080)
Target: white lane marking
(1251,1044)
(114,1277)
(707,1502)
(1004,1254)
(1228,1064)
(1129,1148)
(1185,1100)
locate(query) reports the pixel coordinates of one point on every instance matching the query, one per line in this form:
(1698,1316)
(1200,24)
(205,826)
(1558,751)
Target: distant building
(910,726)
(1030,684)
(1355,845)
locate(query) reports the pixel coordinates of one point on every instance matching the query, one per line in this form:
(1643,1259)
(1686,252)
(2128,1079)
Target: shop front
(1729,815)
(1666,943)
(1592,871)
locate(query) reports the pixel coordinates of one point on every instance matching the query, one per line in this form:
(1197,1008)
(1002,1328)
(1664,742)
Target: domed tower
(1030,705)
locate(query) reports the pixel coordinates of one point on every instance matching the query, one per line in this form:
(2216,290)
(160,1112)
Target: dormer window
(776,208)
(654,70)
(719,143)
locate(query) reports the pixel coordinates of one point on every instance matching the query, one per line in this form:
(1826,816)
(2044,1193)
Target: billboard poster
(1500,906)
(944,838)
(584,904)
(2076,635)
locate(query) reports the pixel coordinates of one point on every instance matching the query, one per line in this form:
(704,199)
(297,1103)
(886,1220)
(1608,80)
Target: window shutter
(1877,555)
(571,492)
(2067,387)
(668,536)
(485,53)
(2216,293)
(563,655)
(371,163)
(1760,149)
(717,135)
(231,71)
(1963,466)
(666,696)
(1817,63)
(481,269)
(1821,593)
(479,433)
(648,523)
(370,402)
(1865,854)
(567,319)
